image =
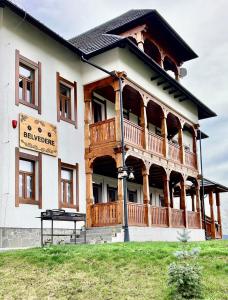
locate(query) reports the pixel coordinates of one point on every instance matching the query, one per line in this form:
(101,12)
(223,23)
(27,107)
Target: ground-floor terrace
(156,198)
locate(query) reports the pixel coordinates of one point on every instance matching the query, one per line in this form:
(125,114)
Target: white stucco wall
(36,46)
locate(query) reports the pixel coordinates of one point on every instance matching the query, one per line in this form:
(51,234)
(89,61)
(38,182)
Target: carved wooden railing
(102,132)
(190,159)
(208,226)
(155,143)
(159,216)
(193,219)
(174,152)
(177,217)
(133,133)
(105,214)
(137,214)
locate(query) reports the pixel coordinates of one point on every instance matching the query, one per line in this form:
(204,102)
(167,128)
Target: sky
(201,23)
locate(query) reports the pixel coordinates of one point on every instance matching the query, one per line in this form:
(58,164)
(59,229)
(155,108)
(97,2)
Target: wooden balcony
(193,219)
(159,216)
(190,159)
(155,143)
(174,152)
(104,132)
(137,214)
(105,214)
(177,217)
(133,133)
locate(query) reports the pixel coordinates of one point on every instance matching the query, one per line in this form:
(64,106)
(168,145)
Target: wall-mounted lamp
(14,124)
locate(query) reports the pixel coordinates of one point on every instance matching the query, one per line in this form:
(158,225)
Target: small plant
(184,276)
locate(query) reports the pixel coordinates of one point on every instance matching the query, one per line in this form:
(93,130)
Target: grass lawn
(106,271)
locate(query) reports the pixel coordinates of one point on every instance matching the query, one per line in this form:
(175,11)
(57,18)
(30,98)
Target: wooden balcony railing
(102,132)
(105,214)
(159,216)
(155,143)
(137,214)
(174,152)
(177,217)
(193,219)
(190,159)
(133,133)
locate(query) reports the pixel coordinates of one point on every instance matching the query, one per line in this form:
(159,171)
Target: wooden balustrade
(133,133)
(137,214)
(190,159)
(193,219)
(105,214)
(159,216)
(102,132)
(177,217)
(155,143)
(174,152)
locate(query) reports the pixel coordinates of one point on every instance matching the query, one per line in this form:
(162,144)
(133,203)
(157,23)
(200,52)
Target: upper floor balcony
(148,125)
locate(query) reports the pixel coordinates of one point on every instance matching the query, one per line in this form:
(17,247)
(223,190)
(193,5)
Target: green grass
(106,271)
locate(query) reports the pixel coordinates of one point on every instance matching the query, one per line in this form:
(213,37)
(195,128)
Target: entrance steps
(96,235)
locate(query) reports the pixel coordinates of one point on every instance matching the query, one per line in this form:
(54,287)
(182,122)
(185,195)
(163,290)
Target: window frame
(133,192)
(37,161)
(103,104)
(75,198)
(114,189)
(73,100)
(36,68)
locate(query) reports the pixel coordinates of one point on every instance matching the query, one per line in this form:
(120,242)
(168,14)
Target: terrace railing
(155,143)
(159,216)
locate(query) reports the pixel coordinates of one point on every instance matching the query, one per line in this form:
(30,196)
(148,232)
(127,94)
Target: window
(126,114)
(132,196)
(28,82)
(99,110)
(68,186)
(112,194)
(28,183)
(97,193)
(66,100)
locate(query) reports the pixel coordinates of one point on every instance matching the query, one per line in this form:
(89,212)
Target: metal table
(61,215)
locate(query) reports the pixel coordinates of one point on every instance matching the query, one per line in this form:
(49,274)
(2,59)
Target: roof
(106,34)
(30,19)
(210,185)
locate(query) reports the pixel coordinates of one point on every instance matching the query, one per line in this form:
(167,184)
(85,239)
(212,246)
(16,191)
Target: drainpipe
(202,182)
(113,74)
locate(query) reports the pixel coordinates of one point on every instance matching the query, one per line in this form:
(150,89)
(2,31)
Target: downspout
(113,74)
(202,185)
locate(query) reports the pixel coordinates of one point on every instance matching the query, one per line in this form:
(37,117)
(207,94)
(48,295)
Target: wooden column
(88,116)
(146,196)
(198,204)
(181,144)
(211,202)
(143,124)
(167,198)
(89,196)
(120,191)
(219,211)
(117,110)
(164,135)
(195,148)
(183,202)
(140,40)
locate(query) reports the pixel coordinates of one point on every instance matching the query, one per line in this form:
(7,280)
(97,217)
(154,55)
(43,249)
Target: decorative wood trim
(36,159)
(39,88)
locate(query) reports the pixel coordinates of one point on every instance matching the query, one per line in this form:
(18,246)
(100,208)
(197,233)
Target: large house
(62,135)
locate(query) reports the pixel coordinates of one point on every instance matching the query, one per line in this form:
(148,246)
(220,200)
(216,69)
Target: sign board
(38,135)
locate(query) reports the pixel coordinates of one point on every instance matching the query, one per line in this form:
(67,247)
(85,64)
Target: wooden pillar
(146,196)
(120,191)
(211,202)
(219,212)
(198,204)
(194,139)
(167,198)
(140,40)
(171,196)
(118,111)
(181,144)
(143,124)
(88,116)
(89,196)
(165,136)
(183,202)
